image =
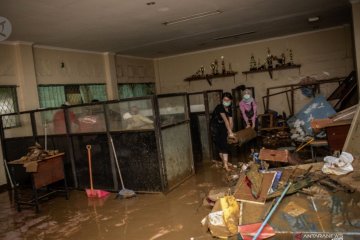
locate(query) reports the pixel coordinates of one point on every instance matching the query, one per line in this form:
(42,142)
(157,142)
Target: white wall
(79,67)
(327,50)
(7,65)
(134,70)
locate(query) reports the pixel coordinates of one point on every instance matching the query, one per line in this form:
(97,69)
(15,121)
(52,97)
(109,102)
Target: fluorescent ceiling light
(313,19)
(234,35)
(192,17)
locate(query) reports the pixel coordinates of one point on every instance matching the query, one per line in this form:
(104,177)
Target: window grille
(9,104)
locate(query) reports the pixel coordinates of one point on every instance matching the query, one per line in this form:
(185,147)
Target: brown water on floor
(176,215)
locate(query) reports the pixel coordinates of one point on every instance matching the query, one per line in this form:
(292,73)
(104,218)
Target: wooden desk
(49,170)
(337,133)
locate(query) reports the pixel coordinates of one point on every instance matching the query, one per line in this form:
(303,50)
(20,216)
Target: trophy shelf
(273,69)
(209,77)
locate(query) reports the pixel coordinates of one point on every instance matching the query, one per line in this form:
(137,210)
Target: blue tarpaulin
(318,108)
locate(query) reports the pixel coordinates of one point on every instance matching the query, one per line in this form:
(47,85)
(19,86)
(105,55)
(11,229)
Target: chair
(316,144)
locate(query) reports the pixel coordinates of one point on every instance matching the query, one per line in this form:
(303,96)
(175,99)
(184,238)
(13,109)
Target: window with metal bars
(9,104)
(129,90)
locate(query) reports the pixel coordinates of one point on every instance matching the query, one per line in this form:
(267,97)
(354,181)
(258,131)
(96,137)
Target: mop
(93,193)
(124,193)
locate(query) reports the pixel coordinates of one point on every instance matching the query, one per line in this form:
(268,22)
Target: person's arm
(145,119)
(231,123)
(227,123)
(255,114)
(242,109)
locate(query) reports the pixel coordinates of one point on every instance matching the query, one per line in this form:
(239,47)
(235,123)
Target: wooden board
(49,171)
(274,155)
(352,142)
(320,123)
(336,136)
(243,192)
(294,210)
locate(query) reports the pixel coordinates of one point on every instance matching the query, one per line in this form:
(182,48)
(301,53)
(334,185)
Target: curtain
(93,92)
(84,92)
(135,90)
(125,91)
(51,96)
(97,92)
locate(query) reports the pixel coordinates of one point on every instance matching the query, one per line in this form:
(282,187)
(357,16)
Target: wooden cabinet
(336,134)
(47,171)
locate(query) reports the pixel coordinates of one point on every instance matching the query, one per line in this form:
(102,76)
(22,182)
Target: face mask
(226,104)
(246,96)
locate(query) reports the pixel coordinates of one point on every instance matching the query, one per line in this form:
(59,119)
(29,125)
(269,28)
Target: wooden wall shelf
(270,71)
(209,77)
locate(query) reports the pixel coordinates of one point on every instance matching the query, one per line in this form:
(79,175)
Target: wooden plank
(320,123)
(242,136)
(274,155)
(243,192)
(273,69)
(345,114)
(352,142)
(336,136)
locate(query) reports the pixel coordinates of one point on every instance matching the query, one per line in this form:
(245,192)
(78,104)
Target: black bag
(250,113)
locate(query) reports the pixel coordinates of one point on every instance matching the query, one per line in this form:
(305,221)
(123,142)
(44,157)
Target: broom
(93,193)
(124,193)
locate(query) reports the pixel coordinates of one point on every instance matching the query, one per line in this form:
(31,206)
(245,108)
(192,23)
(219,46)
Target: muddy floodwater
(176,215)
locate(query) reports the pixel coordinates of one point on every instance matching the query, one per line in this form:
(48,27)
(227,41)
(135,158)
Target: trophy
(223,70)
(230,68)
(202,70)
(283,59)
(252,63)
(216,66)
(212,66)
(291,61)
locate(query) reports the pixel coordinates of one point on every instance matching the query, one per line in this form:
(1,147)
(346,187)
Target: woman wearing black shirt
(221,127)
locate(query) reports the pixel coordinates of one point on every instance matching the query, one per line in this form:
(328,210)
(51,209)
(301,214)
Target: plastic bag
(338,166)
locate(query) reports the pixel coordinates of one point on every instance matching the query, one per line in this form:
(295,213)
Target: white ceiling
(132,27)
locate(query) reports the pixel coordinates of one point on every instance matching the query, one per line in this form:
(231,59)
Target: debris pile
(35,154)
(256,185)
(276,140)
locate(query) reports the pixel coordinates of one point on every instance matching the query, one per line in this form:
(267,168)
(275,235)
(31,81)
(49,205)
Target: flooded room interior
(201,119)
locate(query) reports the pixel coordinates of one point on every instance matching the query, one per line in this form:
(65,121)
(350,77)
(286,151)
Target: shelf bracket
(209,81)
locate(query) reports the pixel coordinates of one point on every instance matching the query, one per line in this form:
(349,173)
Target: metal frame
(70,141)
(293,88)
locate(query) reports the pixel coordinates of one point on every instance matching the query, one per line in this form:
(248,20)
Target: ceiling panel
(135,28)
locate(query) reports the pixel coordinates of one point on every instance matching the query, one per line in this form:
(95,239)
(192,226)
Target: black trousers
(219,138)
